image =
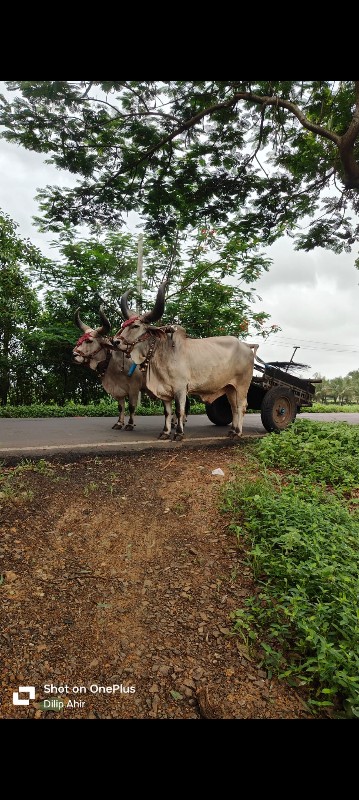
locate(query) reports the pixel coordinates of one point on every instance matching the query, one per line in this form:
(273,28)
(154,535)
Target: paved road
(70,437)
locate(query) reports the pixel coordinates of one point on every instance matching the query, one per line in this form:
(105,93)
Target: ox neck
(101,366)
(149,355)
(142,350)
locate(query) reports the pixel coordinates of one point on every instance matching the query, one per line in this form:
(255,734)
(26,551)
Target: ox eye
(135,326)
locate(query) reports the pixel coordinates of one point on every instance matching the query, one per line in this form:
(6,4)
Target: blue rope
(132,369)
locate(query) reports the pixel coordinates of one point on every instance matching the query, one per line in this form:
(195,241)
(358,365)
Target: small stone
(163,670)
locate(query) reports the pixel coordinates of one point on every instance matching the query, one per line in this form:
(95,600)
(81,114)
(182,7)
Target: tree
(98,271)
(258,155)
(90,272)
(19,314)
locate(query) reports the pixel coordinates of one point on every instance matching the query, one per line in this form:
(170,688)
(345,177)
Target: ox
(95,350)
(176,365)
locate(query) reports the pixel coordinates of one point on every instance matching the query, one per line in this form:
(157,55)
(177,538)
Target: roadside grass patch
(13,484)
(326,452)
(105,408)
(302,529)
(331,408)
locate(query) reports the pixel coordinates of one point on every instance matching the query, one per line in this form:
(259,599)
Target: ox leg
(175,416)
(166,432)
(121,417)
(238,403)
(180,403)
(131,423)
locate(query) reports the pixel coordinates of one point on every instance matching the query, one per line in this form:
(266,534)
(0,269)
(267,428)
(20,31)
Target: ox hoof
(117,426)
(129,427)
(164,435)
(234,434)
(178,437)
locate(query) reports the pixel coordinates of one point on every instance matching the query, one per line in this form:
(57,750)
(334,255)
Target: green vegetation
(38,299)
(326,453)
(13,483)
(301,522)
(108,408)
(330,408)
(105,408)
(252,156)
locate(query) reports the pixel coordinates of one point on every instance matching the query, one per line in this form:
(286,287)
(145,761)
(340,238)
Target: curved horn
(106,325)
(79,322)
(159,307)
(126,311)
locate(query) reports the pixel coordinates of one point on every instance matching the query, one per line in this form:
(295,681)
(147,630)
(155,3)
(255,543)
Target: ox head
(136,329)
(92,341)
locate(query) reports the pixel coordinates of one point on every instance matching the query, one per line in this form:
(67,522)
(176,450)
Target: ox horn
(79,322)
(126,311)
(106,325)
(159,307)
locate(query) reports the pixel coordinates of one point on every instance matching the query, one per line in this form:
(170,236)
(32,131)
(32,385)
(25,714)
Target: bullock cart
(277,394)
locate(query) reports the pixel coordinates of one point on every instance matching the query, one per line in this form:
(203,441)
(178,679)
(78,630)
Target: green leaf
(176,695)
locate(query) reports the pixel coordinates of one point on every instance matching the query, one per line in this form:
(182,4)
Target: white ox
(175,365)
(94,349)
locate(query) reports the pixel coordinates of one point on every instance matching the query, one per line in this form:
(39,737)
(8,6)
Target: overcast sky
(313,297)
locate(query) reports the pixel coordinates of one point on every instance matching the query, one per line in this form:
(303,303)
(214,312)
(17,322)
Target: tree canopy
(19,309)
(38,298)
(258,157)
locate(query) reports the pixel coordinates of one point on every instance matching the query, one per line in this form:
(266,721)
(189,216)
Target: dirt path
(122,572)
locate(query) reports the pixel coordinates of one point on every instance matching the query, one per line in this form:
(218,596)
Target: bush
(105,408)
(301,522)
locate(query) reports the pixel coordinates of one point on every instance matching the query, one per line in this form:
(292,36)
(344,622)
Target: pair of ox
(118,374)
(175,366)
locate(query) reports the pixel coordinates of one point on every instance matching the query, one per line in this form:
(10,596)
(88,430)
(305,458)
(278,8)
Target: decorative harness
(102,366)
(146,335)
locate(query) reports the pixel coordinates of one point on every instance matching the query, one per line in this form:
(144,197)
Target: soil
(123,572)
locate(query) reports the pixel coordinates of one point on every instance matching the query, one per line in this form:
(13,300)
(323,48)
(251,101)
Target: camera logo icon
(30,690)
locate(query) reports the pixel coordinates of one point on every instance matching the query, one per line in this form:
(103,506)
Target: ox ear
(159,307)
(159,332)
(126,311)
(79,322)
(106,325)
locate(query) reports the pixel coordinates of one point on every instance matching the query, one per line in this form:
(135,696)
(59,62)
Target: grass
(299,521)
(13,483)
(330,408)
(108,408)
(102,409)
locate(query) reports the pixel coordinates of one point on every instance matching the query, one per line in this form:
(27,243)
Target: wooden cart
(277,394)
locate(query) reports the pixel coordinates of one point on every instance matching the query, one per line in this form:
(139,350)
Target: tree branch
(134,113)
(87,90)
(265,100)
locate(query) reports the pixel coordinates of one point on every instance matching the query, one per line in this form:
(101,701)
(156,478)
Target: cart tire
(219,412)
(278,409)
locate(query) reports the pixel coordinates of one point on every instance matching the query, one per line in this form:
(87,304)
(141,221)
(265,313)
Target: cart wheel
(278,409)
(219,412)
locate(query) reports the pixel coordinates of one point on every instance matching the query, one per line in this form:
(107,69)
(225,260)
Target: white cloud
(22,173)
(314,298)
